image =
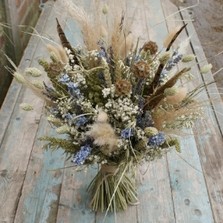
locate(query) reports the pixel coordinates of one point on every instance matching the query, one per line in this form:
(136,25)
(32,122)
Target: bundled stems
(113,189)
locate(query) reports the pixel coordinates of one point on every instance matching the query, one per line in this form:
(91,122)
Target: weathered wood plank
(42,184)
(18,140)
(14,90)
(41,188)
(155,197)
(188,185)
(187,180)
(74,198)
(208,135)
(212,90)
(40,196)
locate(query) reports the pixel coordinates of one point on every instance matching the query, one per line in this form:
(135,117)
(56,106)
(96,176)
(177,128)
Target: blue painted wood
(41,203)
(172,190)
(155,201)
(40,195)
(74,198)
(187,179)
(188,184)
(19,138)
(208,132)
(158,30)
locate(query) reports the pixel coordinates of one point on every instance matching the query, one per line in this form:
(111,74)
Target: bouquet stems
(113,189)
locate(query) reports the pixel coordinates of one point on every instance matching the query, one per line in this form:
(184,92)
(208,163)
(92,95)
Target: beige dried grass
(111,28)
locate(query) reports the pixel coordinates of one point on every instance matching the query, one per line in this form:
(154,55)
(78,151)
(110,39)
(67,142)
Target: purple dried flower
(68,118)
(73,89)
(102,53)
(156,140)
(64,78)
(145,120)
(126,133)
(174,60)
(81,155)
(81,121)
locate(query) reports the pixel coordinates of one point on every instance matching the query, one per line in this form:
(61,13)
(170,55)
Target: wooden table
(34,185)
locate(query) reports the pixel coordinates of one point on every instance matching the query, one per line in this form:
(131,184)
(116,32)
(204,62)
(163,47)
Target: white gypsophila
(106,92)
(64,106)
(140,133)
(104,161)
(86,106)
(94,53)
(69,54)
(122,109)
(80,79)
(109,91)
(122,144)
(67,68)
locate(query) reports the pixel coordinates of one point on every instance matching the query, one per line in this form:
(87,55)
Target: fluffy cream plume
(127,46)
(103,133)
(33,71)
(95,25)
(90,26)
(179,94)
(160,116)
(58,52)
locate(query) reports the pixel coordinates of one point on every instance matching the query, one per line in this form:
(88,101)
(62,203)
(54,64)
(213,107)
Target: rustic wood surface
(37,186)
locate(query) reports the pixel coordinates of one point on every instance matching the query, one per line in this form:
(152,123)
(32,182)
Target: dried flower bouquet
(116,101)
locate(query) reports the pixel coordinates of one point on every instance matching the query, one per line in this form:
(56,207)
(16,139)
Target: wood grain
(208,135)
(34,186)
(187,180)
(19,135)
(42,185)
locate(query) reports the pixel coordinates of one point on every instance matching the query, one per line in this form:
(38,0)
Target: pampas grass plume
(126,46)
(102,117)
(103,31)
(178,96)
(63,55)
(58,52)
(103,134)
